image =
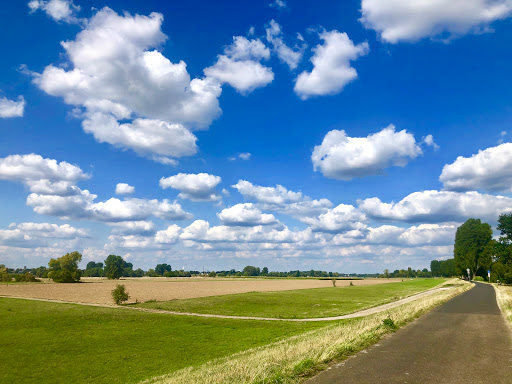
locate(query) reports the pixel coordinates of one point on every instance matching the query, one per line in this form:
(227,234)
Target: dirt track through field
(366,312)
(162,289)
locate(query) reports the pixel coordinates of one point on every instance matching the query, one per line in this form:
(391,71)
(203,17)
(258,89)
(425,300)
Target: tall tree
(435,268)
(114,267)
(471,240)
(65,269)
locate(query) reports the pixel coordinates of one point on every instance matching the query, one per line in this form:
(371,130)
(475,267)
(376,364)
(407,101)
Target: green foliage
(389,323)
(505,225)
(4,274)
(472,248)
(251,271)
(114,267)
(508,278)
(25,278)
(304,367)
(212,274)
(65,268)
(478,278)
(161,269)
(119,294)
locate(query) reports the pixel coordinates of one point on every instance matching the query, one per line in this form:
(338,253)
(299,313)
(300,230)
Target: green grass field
(64,343)
(299,304)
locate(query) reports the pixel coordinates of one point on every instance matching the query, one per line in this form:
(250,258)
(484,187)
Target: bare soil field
(98,291)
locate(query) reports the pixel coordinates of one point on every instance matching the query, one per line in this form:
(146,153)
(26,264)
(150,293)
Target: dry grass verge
(504,296)
(298,357)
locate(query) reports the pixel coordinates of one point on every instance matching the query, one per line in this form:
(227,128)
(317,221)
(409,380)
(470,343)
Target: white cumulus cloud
(331,66)
(343,157)
(240,65)
(342,218)
(12,108)
(488,170)
(124,189)
(403,20)
(58,10)
(195,187)
(286,54)
(114,53)
(245,215)
(438,207)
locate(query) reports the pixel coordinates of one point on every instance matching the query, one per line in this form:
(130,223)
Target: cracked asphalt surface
(466,340)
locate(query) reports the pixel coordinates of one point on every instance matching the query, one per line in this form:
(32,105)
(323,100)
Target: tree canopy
(65,269)
(114,267)
(473,247)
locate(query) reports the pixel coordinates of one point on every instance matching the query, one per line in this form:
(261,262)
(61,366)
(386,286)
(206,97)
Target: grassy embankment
(504,295)
(298,357)
(300,304)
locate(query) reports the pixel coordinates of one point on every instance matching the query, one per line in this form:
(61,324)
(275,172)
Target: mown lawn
(44,342)
(300,304)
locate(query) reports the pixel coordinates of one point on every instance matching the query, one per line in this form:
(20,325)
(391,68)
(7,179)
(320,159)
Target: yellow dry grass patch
(504,296)
(98,291)
(289,360)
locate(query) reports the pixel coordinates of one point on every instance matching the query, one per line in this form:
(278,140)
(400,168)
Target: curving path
(466,341)
(366,312)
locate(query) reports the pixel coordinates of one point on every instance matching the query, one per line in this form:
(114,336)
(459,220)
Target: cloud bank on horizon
(294,146)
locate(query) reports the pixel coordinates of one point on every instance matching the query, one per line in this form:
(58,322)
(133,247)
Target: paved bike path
(466,340)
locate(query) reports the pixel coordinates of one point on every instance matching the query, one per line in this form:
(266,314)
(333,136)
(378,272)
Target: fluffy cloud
(240,65)
(11,108)
(279,4)
(245,215)
(342,218)
(343,157)
(489,170)
(124,189)
(280,199)
(114,53)
(41,175)
(195,187)
(424,234)
(286,54)
(37,234)
(331,66)
(58,10)
(438,207)
(404,20)
(153,138)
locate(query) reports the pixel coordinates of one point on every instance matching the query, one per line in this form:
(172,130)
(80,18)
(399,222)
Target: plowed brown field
(98,291)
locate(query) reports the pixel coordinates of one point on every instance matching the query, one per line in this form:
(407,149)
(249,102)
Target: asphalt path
(466,340)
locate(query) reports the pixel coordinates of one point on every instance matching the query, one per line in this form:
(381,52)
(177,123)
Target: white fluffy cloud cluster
(280,199)
(245,215)
(124,189)
(58,10)
(12,108)
(195,187)
(42,175)
(331,66)
(405,20)
(438,207)
(343,157)
(115,53)
(342,218)
(35,234)
(488,170)
(240,65)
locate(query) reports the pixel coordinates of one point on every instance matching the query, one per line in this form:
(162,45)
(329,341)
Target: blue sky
(342,136)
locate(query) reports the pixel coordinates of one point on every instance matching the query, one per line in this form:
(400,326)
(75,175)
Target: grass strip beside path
(46,342)
(299,304)
(293,359)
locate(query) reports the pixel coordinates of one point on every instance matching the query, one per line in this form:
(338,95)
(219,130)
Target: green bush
(5,277)
(212,274)
(478,278)
(389,323)
(65,269)
(119,294)
(25,277)
(508,278)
